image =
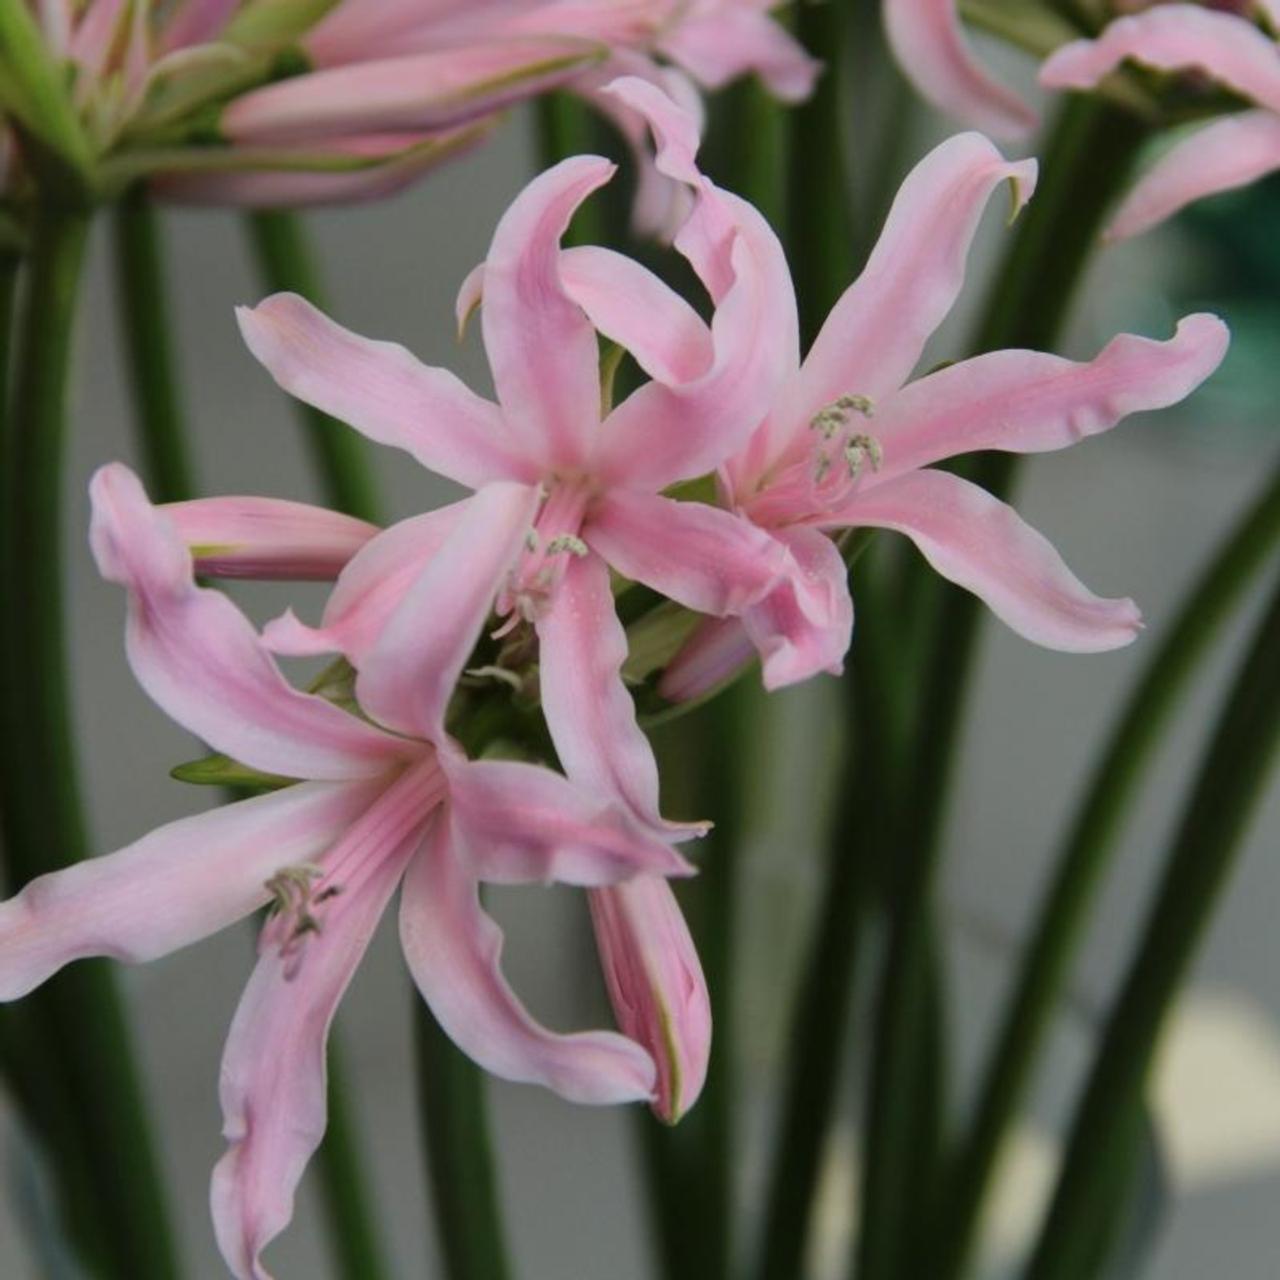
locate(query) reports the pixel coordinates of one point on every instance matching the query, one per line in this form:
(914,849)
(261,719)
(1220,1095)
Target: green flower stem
(345,1188)
(1086,162)
(285,263)
(78,1013)
(460,1163)
(1232,780)
(1084,858)
(566,127)
(147,327)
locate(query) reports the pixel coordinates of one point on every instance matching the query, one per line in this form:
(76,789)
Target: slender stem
(285,263)
(79,1011)
(147,326)
(567,128)
(345,1188)
(1086,161)
(1084,859)
(1231,782)
(459,1156)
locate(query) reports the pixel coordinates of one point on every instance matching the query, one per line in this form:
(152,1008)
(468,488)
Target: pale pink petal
(1031,402)
(656,985)
(198,656)
(541,346)
(248,537)
(714,653)
(1227,154)
(358,30)
(984,546)
(381,390)
(804,625)
(731,41)
(369,589)
(587,707)
(419,91)
(181,883)
(516,823)
(1175,37)
(876,333)
(94,40)
(454,951)
(931,50)
(703,557)
(196,21)
(273,1081)
(408,677)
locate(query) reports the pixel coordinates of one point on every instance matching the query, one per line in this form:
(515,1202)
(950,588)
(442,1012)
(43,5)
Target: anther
(569,542)
(859,447)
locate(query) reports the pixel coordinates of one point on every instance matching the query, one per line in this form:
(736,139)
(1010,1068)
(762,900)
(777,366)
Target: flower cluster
(1230,45)
(509,598)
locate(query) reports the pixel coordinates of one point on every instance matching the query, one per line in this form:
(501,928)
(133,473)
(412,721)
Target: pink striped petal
(704,558)
(516,823)
(715,652)
(984,546)
(199,658)
(369,589)
(804,625)
(181,883)
(876,333)
(731,41)
(196,21)
(931,50)
(273,1080)
(420,91)
(656,985)
(94,40)
(542,349)
(1175,37)
(248,537)
(1222,156)
(454,951)
(1031,402)
(589,712)
(381,390)
(408,677)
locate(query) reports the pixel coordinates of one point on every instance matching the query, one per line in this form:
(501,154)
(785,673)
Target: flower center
(554,540)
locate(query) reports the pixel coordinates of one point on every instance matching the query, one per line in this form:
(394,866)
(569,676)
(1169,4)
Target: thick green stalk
(147,327)
(1091,150)
(78,1013)
(460,1162)
(1083,862)
(285,263)
(1231,782)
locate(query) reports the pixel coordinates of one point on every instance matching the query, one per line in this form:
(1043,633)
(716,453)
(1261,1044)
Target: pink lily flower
(385,799)
(1227,47)
(848,441)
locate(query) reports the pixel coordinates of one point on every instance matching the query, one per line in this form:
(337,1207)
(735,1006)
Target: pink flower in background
(386,799)
(1226,47)
(848,441)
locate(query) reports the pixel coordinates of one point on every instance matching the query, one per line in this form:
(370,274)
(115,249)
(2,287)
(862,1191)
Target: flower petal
(656,985)
(1175,37)
(1227,154)
(541,347)
(876,333)
(454,950)
(369,589)
(984,546)
(420,91)
(805,624)
(249,537)
(182,882)
(408,676)
(703,557)
(517,823)
(273,1085)
(731,41)
(931,50)
(200,659)
(715,652)
(1031,402)
(589,712)
(195,22)
(382,391)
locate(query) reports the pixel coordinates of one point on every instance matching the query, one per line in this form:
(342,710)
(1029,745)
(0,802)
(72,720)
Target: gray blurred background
(1134,512)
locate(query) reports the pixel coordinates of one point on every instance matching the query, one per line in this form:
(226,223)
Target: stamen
(569,542)
(859,447)
(291,914)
